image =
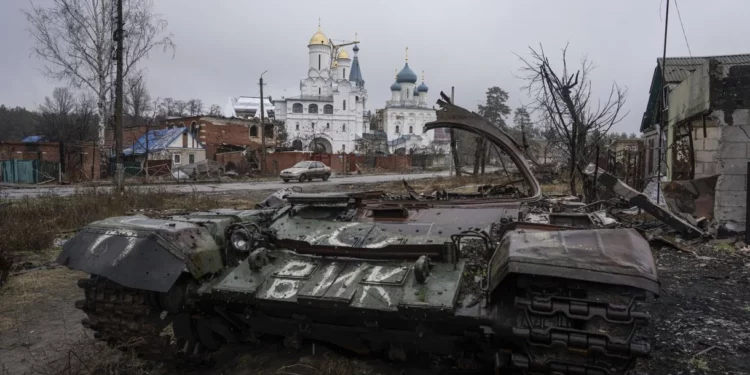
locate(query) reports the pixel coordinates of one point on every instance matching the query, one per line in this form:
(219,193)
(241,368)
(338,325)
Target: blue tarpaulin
(157,140)
(34,139)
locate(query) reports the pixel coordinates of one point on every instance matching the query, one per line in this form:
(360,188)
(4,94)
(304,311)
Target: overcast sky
(224,45)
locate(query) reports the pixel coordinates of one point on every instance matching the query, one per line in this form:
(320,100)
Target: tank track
(582,329)
(126,319)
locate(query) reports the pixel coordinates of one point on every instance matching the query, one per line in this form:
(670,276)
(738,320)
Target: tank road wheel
(302,177)
(134,319)
(325,176)
(578,328)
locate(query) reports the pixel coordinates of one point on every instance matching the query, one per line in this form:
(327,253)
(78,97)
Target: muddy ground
(700,323)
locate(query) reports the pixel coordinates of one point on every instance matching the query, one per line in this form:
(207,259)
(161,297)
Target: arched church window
(328,109)
(297,108)
(328,125)
(344,77)
(320,91)
(253,131)
(268,129)
(343,147)
(356,99)
(343,128)
(313,108)
(318,62)
(344,105)
(297,127)
(397,129)
(411,129)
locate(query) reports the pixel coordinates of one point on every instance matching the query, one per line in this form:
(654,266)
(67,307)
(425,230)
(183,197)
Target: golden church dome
(343,54)
(319,38)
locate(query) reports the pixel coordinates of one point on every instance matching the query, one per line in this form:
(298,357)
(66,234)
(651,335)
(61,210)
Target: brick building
(77,162)
(707,106)
(220,135)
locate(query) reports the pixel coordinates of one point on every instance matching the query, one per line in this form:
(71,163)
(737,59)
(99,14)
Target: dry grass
(29,288)
(32,224)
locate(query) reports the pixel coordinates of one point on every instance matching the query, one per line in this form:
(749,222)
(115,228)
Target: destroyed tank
(465,278)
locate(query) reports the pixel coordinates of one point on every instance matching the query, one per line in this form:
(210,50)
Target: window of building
(253,131)
(356,98)
(397,129)
(411,130)
(268,129)
(328,109)
(297,126)
(344,73)
(343,147)
(297,145)
(343,128)
(191,158)
(328,125)
(318,62)
(320,91)
(312,108)
(297,108)
(177,158)
(344,105)
(181,125)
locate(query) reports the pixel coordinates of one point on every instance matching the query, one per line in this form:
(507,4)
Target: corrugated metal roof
(679,68)
(156,140)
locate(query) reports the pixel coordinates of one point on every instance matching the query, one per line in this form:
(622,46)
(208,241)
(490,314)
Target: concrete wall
(731,162)
(730,100)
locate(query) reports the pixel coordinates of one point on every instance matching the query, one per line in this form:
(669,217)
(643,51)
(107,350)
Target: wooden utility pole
(454,153)
(262,126)
(119,35)
(663,97)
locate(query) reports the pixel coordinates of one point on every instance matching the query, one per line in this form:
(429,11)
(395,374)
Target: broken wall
(730,101)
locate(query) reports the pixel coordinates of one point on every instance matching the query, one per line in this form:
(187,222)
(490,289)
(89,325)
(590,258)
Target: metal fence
(29,171)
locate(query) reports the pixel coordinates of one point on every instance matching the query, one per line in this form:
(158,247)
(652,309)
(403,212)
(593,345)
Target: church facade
(406,113)
(329,113)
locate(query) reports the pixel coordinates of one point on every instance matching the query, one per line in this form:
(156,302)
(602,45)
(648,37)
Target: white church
(406,113)
(328,115)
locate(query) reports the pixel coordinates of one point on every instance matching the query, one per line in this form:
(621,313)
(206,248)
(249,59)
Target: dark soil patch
(701,322)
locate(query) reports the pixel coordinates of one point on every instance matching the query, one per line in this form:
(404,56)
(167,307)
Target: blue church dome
(406,75)
(395,86)
(422,87)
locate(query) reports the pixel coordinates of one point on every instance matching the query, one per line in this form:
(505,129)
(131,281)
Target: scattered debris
(622,190)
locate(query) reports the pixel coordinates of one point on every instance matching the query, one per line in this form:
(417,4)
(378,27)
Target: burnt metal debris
(492,280)
(615,186)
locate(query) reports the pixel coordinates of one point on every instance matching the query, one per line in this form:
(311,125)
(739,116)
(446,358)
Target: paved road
(232,186)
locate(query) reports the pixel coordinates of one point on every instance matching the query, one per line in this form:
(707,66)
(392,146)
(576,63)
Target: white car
(306,170)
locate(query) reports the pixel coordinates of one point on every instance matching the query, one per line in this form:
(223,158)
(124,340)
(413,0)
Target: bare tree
(62,103)
(215,110)
(564,101)
(167,107)
(180,107)
(75,38)
(65,118)
(195,107)
(137,98)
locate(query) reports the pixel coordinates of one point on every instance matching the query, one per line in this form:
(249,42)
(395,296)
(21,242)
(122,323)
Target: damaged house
(177,145)
(704,112)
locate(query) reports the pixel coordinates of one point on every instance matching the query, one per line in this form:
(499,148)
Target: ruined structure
(707,133)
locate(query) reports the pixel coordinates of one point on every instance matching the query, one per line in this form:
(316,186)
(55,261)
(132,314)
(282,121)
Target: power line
(683,28)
